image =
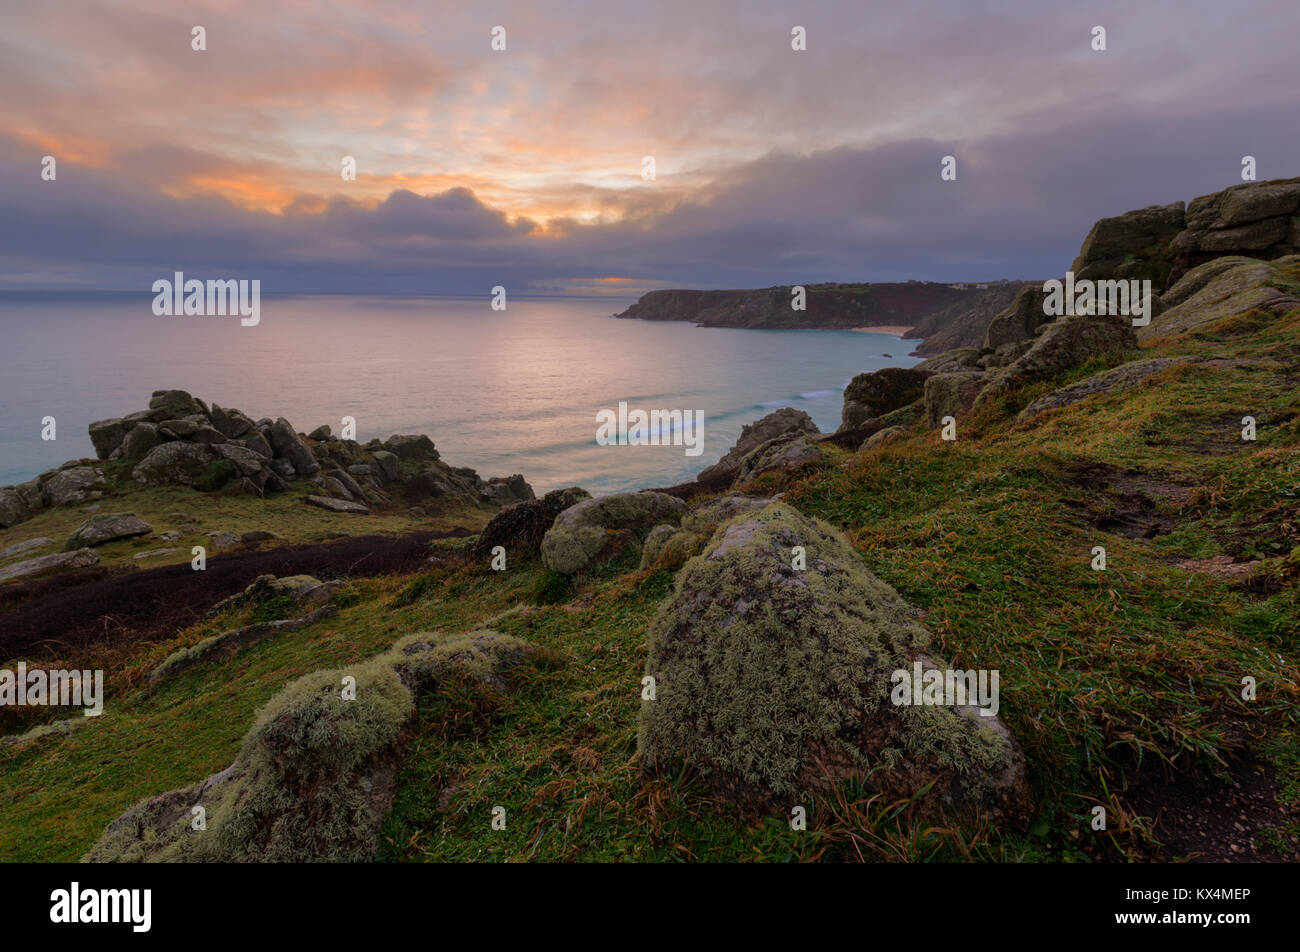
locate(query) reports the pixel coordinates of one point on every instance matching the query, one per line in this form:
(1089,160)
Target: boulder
(784,422)
(881,437)
(418,448)
(508,490)
(316,774)
(1019,321)
(669,549)
(784,454)
(595,530)
(874,394)
(773,684)
(519,529)
(320,434)
(286,444)
(387,463)
(21,548)
(1135,245)
(246,461)
(1115,380)
(337,505)
(951,395)
(74,485)
(49,563)
(231,423)
(174,405)
(259,444)
(183,463)
(105,528)
(107,435)
(1062,345)
(177,429)
(1221,288)
(140,439)
(19,503)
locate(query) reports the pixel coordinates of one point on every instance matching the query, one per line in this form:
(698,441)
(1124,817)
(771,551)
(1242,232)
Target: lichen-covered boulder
(107,527)
(784,422)
(519,529)
(1062,345)
(876,393)
(784,454)
(1115,380)
(1018,321)
(669,546)
(508,490)
(74,484)
(881,437)
(409,447)
(950,395)
(595,530)
(106,436)
(1221,288)
(139,440)
(775,683)
(287,445)
(174,405)
(184,463)
(1135,245)
(315,775)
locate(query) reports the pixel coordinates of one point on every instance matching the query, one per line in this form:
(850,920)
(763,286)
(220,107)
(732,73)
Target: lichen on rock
(773,683)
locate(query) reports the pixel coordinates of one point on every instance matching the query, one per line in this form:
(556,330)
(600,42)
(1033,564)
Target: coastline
(893,330)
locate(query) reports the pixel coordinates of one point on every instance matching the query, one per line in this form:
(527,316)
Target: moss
(551,588)
(215,475)
(773,680)
(314,777)
(595,530)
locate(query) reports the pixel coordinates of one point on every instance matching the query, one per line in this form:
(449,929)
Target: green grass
(1104,675)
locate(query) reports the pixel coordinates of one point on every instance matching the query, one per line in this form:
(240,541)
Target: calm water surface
(503,392)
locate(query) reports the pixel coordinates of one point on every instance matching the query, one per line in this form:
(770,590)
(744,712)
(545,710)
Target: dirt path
(102,606)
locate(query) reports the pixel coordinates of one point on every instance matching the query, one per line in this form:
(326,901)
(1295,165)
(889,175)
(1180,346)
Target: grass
(1105,676)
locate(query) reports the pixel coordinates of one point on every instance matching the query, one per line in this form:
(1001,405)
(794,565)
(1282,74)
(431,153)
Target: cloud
(522,168)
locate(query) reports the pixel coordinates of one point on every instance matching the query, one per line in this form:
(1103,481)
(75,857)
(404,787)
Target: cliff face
(963,323)
(828,306)
(1164,242)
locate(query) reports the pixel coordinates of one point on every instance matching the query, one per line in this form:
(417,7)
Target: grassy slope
(1106,676)
(282,513)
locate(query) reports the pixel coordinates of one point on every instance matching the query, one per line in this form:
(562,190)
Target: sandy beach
(897,330)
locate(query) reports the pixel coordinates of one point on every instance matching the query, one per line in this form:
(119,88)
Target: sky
(523,167)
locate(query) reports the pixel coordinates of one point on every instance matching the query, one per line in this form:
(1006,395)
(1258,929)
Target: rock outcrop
(182,441)
(1218,289)
(1061,345)
(668,546)
(874,394)
(827,305)
(519,529)
(774,684)
(588,534)
(1116,380)
(779,423)
(1163,243)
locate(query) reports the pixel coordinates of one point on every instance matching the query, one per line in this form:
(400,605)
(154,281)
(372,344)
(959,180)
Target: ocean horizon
(502,392)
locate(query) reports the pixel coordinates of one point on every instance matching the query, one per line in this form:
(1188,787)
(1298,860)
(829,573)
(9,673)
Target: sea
(518,390)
